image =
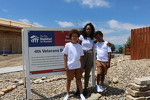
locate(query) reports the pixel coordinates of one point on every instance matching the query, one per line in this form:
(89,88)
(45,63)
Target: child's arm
(109,59)
(81,60)
(65,62)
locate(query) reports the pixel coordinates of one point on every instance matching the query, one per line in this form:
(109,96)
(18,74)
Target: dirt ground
(11,60)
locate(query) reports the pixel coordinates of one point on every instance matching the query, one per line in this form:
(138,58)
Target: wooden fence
(127,50)
(140,43)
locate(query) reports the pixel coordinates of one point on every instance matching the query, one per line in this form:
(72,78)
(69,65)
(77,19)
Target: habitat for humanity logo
(34,39)
(45,39)
(41,39)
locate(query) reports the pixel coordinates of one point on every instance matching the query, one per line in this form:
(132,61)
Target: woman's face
(88,30)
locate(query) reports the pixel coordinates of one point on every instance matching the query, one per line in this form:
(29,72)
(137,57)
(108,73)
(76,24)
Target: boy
(103,59)
(72,61)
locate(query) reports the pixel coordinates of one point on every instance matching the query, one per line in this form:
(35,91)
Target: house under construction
(10,36)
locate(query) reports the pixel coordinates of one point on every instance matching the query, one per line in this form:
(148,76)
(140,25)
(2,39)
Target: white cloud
(120,31)
(95,3)
(92,3)
(65,24)
(37,24)
(117,40)
(136,7)
(24,21)
(69,0)
(105,31)
(28,22)
(4,10)
(114,24)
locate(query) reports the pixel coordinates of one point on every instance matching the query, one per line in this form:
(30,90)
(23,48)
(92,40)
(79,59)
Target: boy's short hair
(98,33)
(74,31)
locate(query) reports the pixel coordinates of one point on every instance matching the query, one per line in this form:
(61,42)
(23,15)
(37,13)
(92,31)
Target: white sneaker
(100,88)
(82,97)
(66,97)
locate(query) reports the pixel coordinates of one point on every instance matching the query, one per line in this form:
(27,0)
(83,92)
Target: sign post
(93,69)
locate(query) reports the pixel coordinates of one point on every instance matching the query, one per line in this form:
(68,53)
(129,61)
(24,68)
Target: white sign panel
(42,50)
(46,59)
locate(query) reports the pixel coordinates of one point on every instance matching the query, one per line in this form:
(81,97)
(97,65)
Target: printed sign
(42,51)
(45,49)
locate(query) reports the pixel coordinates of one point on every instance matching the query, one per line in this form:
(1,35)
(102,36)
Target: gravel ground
(53,87)
(10,60)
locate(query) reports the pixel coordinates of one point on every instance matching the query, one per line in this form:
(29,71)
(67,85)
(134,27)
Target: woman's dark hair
(98,33)
(92,33)
(74,31)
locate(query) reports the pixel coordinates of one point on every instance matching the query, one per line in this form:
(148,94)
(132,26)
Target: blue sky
(115,18)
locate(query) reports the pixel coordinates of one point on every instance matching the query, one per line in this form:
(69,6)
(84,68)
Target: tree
(112,47)
(128,42)
(120,49)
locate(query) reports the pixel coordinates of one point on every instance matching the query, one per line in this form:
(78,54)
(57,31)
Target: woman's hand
(81,70)
(95,41)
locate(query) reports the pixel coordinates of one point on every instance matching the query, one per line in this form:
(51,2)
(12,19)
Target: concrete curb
(10,69)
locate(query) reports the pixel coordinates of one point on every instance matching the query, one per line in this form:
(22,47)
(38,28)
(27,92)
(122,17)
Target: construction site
(11,36)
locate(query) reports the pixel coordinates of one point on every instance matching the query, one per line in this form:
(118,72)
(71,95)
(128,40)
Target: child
(103,59)
(72,61)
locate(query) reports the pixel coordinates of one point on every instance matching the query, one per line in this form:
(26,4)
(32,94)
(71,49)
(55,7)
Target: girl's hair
(92,29)
(74,31)
(98,33)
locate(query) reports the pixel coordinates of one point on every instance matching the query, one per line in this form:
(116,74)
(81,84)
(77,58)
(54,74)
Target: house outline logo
(34,39)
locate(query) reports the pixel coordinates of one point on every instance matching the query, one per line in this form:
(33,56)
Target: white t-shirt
(102,51)
(73,52)
(87,44)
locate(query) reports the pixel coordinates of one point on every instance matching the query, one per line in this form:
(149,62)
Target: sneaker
(82,97)
(97,87)
(100,88)
(66,97)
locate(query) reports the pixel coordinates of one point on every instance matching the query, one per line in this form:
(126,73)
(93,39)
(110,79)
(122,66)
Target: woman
(87,41)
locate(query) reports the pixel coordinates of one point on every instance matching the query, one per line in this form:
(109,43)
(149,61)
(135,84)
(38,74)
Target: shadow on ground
(108,92)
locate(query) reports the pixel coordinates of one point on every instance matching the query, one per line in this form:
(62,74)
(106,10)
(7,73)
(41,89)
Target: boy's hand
(109,44)
(108,65)
(81,70)
(66,68)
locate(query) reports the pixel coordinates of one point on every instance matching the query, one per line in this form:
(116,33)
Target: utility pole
(77,22)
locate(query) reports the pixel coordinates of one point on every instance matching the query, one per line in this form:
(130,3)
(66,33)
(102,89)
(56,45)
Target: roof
(10,25)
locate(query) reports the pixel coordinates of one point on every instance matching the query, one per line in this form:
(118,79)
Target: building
(10,36)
